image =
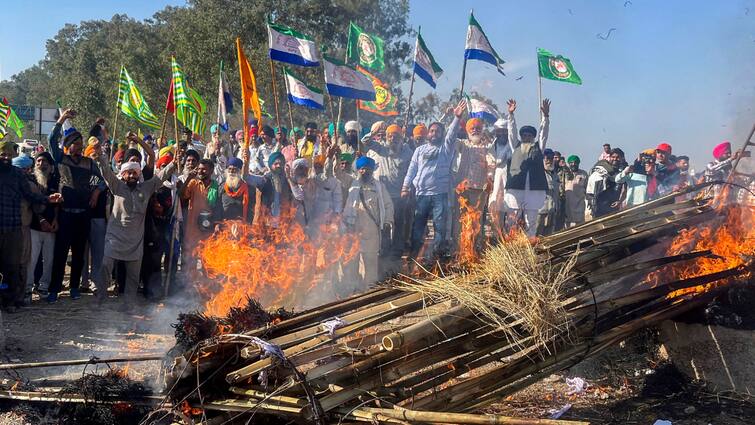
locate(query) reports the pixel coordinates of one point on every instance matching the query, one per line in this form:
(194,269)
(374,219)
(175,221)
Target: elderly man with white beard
(44,224)
(125,230)
(237,198)
(473,174)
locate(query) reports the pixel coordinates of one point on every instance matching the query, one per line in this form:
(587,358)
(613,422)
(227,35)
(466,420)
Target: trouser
(545,223)
(359,274)
(402,224)
(25,258)
(151,270)
(94,251)
(437,205)
(11,247)
(73,233)
(41,243)
(132,269)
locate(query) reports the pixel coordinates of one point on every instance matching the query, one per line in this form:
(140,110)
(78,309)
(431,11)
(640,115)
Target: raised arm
(147,150)
(450,141)
(57,134)
(104,168)
(511,127)
(545,108)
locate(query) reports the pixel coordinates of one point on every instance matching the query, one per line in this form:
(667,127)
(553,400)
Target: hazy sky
(680,71)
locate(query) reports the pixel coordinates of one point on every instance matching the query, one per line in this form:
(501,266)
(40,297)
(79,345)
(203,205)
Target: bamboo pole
(275,94)
(94,360)
(113,145)
(288,103)
(463,418)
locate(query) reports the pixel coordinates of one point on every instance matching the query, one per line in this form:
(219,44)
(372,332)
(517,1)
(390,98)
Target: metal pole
(539,91)
(409,102)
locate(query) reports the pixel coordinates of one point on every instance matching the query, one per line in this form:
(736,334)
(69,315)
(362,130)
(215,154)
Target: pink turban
(721,149)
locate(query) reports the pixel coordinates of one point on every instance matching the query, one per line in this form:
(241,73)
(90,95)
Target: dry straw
(511,289)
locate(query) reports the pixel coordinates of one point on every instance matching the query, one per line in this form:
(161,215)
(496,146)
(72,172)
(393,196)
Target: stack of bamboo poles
(398,356)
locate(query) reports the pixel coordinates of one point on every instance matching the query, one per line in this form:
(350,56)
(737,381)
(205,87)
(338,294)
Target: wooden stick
(463,418)
(275,95)
(94,360)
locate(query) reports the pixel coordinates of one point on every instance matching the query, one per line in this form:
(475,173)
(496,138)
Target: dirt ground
(629,384)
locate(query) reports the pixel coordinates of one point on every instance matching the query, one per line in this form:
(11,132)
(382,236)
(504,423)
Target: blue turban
(273,156)
(23,161)
(366,161)
(528,129)
(235,162)
(548,152)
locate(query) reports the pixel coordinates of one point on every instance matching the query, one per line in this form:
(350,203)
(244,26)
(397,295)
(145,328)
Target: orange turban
(472,122)
(393,128)
(319,160)
(89,150)
(419,130)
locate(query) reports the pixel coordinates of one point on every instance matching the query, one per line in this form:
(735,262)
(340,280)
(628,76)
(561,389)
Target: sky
(680,71)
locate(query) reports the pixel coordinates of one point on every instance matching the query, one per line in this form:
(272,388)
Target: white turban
(300,162)
(352,126)
(128,166)
(501,123)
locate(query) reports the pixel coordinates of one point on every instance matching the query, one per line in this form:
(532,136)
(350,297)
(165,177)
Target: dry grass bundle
(511,289)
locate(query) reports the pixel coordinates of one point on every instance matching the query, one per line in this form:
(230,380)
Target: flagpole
(330,102)
(165,118)
(275,94)
(539,90)
(115,121)
(288,102)
(411,87)
(220,79)
(464,68)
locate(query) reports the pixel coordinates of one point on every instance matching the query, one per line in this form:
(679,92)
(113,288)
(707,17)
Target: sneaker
(75,294)
(52,298)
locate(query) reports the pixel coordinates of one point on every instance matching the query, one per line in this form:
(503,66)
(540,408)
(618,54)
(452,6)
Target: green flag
(556,67)
(132,102)
(365,49)
(189,105)
(16,124)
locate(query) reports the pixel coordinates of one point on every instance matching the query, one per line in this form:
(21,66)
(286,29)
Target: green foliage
(82,62)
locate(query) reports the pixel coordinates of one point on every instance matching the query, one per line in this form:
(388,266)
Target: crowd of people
(118,208)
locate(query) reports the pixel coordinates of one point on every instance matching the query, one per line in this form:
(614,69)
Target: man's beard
(548,167)
(132,183)
(41,177)
(475,138)
(436,141)
(310,138)
(351,139)
(5,165)
(232,180)
(365,178)
(574,168)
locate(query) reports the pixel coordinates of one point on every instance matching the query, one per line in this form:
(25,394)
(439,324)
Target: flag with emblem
(344,81)
(132,103)
(189,105)
(302,94)
(364,49)
(385,103)
(290,46)
(478,46)
(479,109)
(424,64)
(4,110)
(556,67)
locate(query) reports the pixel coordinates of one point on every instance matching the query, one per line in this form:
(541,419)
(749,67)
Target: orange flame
(729,238)
(188,410)
(470,226)
(270,264)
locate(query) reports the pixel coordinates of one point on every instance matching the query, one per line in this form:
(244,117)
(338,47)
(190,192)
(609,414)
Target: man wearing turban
(125,231)
(574,183)
(419,135)
(368,213)
(392,159)
(526,182)
(15,188)
(473,176)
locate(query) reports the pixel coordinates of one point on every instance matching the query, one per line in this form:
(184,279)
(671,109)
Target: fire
(470,226)
(270,264)
(188,410)
(729,238)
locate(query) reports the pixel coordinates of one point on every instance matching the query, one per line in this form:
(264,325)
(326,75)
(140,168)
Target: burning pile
(467,339)
(269,263)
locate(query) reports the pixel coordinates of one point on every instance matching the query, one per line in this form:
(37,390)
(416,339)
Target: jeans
(95,248)
(41,243)
(11,245)
(73,232)
(427,204)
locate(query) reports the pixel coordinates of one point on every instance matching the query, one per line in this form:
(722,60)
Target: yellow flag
(249,95)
